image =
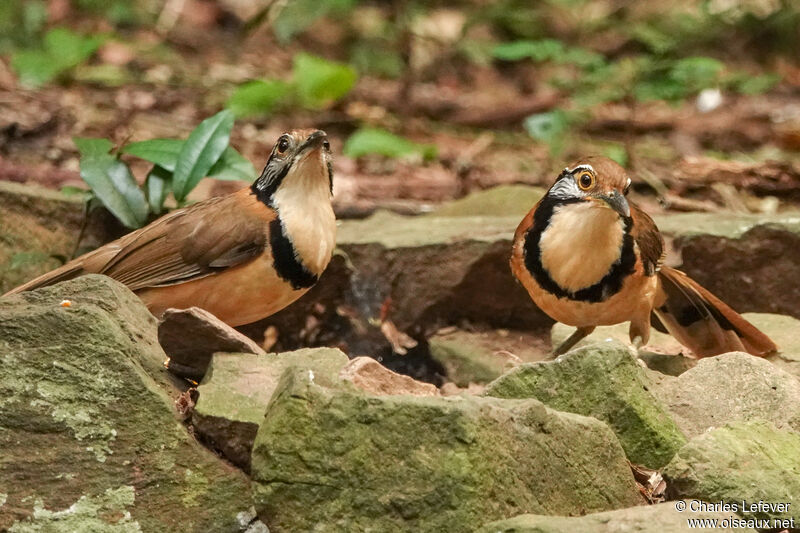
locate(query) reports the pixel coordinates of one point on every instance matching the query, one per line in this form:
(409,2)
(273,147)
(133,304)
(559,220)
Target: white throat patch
(581,243)
(304,203)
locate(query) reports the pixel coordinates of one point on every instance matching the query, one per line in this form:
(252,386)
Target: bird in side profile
(588,257)
(243,256)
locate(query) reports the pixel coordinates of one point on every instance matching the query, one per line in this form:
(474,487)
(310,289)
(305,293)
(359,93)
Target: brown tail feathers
(704,323)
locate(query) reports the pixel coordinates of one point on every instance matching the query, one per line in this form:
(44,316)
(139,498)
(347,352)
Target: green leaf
(541,50)
(618,153)
(112,182)
(200,151)
(548,126)
(582,58)
(34,68)
(297,15)
(162,152)
(757,84)
(63,50)
(377,58)
(258,98)
(659,89)
(89,146)
(157,185)
(653,38)
(21,259)
(321,82)
(232,166)
(72,190)
(696,73)
(70,48)
(375,141)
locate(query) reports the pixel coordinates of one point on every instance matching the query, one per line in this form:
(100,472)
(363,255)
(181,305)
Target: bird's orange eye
(585,180)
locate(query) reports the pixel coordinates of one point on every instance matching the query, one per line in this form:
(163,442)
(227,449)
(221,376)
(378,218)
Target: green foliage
(376,141)
(111,182)
(178,166)
(162,152)
(157,185)
(232,166)
(745,83)
(21,23)
(550,128)
(118,12)
(321,82)
(542,50)
(258,98)
(378,58)
(679,79)
(61,50)
(296,16)
(616,152)
(316,84)
(200,151)
(591,79)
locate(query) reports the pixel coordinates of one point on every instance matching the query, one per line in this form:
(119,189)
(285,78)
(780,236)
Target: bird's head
(300,160)
(594,179)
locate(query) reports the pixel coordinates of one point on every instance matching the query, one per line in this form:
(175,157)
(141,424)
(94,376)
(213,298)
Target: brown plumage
(243,256)
(588,257)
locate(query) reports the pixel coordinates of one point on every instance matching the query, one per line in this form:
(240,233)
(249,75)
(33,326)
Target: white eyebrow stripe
(583,167)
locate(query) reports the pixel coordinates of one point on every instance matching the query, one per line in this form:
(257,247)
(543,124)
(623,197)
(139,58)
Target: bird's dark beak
(618,203)
(313,141)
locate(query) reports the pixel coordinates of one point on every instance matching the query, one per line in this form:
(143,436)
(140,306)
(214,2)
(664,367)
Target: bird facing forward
(588,257)
(243,256)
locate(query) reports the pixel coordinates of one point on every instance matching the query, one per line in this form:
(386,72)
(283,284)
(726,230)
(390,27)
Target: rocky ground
(255,431)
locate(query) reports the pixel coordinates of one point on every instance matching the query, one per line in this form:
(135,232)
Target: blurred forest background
(424,101)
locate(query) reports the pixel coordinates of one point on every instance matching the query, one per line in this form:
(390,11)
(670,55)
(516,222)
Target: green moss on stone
(335,459)
(397,231)
(37,226)
(729,225)
(502,200)
(742,461)
(107,512)
(605,381)
(237,387)
(83,408)
(464,360)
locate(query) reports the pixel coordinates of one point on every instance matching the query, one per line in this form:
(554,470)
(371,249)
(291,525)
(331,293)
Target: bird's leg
(573,339)
(639,334)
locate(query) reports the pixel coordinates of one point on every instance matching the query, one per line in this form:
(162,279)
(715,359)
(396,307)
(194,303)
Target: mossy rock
(465,359)
(87,427)
(38,232)
(502,200)
(731,387)
(40,228)
(336,459)
(603,380)
(785,331)
(237,387)
(741,462)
